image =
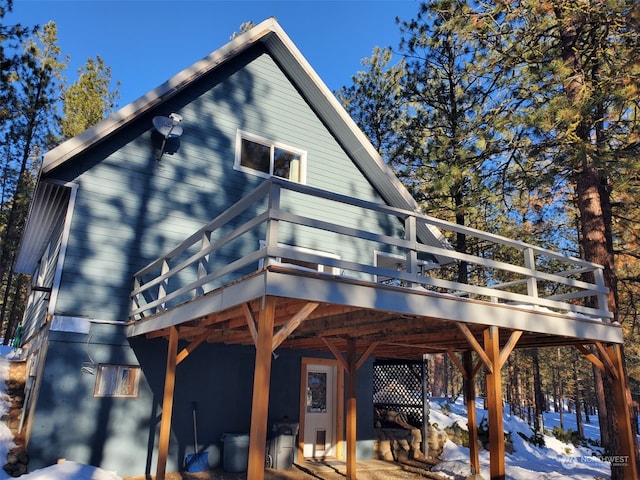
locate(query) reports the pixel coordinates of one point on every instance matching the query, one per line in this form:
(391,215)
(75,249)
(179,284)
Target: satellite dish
(169,129)
(168,126)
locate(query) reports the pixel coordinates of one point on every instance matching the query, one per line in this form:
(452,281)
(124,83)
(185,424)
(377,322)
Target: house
(232,241)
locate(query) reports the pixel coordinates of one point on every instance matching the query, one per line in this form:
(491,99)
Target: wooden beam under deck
(352,386)
(167,405)
(470,401)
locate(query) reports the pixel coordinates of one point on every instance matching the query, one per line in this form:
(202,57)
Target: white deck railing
(292,224)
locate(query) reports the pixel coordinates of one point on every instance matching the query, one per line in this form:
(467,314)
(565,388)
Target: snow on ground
(555,461)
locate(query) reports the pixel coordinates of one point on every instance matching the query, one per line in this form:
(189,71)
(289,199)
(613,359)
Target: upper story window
(266,158)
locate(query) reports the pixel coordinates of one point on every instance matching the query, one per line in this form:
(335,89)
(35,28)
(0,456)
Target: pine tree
(376,103)
(35,81)
(579,71)
(89,99)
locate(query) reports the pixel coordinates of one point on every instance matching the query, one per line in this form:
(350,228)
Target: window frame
(272,145)
(103,389)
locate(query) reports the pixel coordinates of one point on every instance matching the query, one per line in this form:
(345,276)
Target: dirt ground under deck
(365,470)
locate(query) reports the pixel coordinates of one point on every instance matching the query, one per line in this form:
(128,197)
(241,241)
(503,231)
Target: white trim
(55,287)
(244,135)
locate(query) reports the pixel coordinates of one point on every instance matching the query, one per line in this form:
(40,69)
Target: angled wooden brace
(509,346)
(293,323)
(589,355)
(186,351)
(476,346)
(604,356)
(251,322)
(338,354)
(456,361)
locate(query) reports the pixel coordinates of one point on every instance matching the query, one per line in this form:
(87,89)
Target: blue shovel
(196,462)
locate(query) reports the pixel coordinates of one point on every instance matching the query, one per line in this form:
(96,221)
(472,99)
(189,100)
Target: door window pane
(316,392)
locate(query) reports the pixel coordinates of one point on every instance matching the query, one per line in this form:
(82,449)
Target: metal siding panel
(35,314)
(49,204)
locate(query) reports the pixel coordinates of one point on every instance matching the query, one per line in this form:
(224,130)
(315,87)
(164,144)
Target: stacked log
(17,463)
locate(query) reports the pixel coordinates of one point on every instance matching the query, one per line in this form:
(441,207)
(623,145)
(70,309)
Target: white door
(320,411)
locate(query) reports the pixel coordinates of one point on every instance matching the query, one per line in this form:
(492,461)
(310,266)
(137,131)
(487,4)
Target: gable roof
(276,42)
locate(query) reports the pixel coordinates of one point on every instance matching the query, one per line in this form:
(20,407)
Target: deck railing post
(410,236)
(273,203)
(203,263)
(602,298)
(135,304)
(162,288)
(530,262)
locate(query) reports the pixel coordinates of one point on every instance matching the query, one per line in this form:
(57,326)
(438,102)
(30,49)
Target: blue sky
(147,42)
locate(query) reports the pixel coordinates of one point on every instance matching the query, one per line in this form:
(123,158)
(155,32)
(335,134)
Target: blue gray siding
(130,208)
(121,433)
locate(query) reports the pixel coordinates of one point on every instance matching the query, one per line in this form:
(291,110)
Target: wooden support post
(167,404)
(424,448)
(472,421)
(351,409)
(494,399)
(260,402)
(623,416)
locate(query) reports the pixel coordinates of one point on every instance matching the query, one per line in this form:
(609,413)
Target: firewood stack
(16,463)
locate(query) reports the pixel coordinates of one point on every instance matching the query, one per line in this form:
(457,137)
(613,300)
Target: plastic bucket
(235,452)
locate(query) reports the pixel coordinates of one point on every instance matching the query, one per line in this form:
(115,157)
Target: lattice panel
(398,392)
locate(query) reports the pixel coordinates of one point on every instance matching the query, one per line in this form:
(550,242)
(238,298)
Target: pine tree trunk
(601,402)
(594,203)
(510,387)
(439,367)
(538,396)
(577,397)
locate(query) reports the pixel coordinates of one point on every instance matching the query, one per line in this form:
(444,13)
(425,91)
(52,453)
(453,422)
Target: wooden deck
(274,273)
(211,284)
(311,309)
